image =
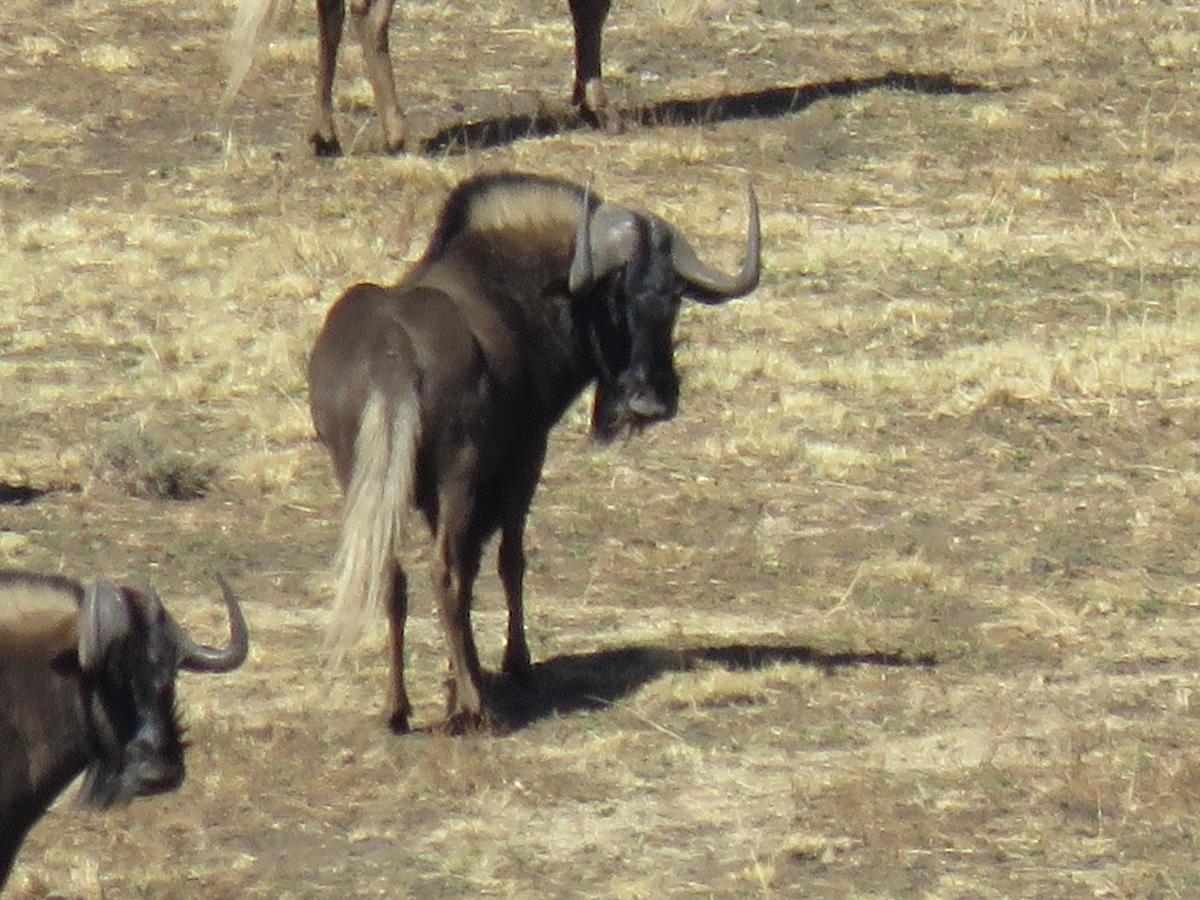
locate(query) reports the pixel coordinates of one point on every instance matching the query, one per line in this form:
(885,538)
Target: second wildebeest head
(130,648)
(440,392)
(87,684)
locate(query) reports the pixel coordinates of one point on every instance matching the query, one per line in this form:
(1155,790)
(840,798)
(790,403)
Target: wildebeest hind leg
(456,563)
(399,708)
(371,19)
(331,16)
(588,17)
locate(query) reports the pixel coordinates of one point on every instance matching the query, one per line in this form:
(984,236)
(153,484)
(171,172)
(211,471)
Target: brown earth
(901,604)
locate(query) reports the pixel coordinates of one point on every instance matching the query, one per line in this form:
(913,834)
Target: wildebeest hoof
(611,121)
(517,667)
(323,146)
(606,120)
(394,148)
(398,723)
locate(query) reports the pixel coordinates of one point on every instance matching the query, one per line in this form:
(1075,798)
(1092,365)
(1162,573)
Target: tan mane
(525,208)
(38,617)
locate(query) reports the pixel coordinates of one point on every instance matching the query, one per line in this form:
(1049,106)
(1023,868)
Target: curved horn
(709,285)
(201,658)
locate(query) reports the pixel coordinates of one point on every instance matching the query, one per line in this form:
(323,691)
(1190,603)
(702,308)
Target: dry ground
(904,603)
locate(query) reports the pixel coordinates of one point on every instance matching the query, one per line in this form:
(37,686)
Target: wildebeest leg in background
(457,552)
(399,709)
(518,495)
(588,18)
(371,19)
(331,15)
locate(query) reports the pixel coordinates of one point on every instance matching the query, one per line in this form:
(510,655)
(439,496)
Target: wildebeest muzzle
(634,399)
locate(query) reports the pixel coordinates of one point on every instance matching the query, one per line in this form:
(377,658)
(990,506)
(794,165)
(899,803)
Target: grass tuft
(139,464)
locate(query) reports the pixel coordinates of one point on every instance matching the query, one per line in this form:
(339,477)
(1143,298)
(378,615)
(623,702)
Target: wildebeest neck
(43,745)
(514,296)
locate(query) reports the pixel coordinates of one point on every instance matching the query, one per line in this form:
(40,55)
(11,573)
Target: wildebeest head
(635,268)
(129,651)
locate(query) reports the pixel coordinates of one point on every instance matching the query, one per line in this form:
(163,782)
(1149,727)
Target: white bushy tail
(375,507)
(252,24)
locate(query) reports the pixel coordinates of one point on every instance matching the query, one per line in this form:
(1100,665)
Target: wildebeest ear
(605,240)
(103,621)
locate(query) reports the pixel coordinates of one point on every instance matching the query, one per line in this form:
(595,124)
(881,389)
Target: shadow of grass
(565,684)
(762,104)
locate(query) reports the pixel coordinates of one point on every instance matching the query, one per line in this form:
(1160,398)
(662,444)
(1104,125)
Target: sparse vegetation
(957,422)
(137,462)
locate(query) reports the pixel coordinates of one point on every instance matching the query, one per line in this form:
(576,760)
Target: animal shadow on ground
(588,681)
(768,103)
(19,494)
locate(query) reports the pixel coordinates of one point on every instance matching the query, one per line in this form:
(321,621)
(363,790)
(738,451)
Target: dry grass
(957,421)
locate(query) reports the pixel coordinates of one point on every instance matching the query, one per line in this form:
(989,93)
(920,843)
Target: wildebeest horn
(201,658)
(607,239)
(709,285)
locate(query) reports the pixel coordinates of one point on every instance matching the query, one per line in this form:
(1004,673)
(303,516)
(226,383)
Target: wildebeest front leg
(371,19)
(518,495)
(331,15)
(588,18)
(399,709)
(512,575)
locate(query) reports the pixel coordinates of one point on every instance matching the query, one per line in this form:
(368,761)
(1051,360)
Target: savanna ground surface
(903,603)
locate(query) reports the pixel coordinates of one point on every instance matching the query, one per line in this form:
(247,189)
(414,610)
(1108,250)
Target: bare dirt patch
(904,601)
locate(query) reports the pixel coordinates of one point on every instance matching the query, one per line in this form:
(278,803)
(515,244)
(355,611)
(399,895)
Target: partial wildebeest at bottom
(440,392)
(371,19)
(87,681)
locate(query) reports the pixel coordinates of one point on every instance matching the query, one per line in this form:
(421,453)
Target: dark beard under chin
(612,421)
(608,435)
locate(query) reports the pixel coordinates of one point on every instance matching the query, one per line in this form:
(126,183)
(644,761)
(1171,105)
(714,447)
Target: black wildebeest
(87,681)
(440,392)
(370,19)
